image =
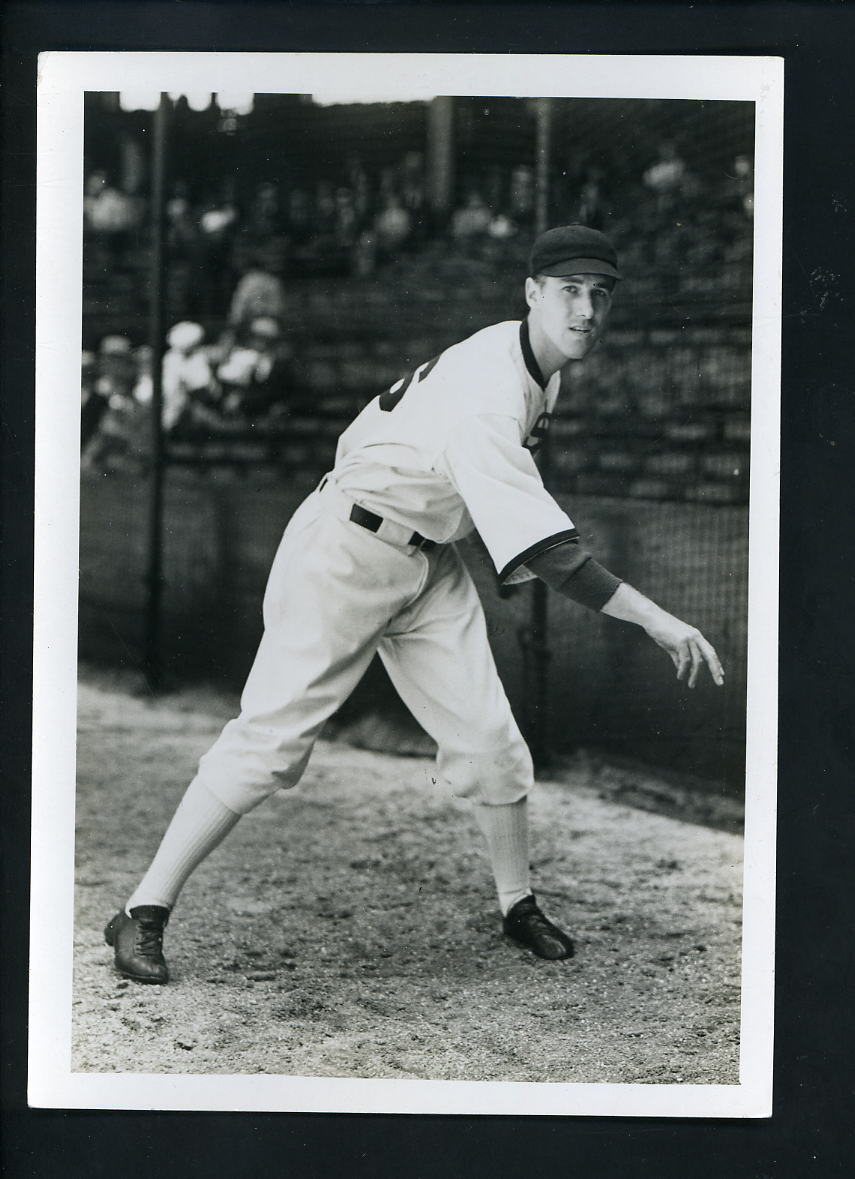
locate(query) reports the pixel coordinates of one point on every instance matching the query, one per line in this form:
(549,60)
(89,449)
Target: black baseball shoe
(138,943)
(525,924)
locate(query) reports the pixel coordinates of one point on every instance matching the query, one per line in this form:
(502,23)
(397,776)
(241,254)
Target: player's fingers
(697,660)
(682,662)
(712,660)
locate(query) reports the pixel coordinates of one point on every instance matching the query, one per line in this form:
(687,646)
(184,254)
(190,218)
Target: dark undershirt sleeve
(573,572)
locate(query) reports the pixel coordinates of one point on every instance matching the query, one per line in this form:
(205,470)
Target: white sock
(199,824)
(505,829)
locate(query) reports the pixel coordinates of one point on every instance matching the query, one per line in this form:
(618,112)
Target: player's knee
(244,774)
(500,793)
(502,775)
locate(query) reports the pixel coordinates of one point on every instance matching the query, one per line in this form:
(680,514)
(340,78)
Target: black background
(811,1132)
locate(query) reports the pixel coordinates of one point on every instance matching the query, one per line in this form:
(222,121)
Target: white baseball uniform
(446,448)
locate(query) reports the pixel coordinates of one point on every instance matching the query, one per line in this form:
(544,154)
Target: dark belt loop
(365,519)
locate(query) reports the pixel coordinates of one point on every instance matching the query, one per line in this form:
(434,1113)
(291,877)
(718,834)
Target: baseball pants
(336,594)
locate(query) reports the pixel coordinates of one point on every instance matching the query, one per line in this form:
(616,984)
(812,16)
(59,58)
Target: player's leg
(325,608)
(438,657)
(439,660)
(199,825)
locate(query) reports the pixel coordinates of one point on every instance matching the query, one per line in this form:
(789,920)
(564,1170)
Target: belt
(388,530)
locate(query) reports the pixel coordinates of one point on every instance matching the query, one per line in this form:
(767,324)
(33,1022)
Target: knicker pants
(336,594)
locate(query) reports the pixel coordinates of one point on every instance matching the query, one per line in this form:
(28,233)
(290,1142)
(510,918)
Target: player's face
(567,315)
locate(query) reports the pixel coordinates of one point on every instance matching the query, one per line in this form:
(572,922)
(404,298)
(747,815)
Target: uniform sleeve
(573,572)
(500,485)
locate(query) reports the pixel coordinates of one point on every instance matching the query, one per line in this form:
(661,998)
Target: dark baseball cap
(573,249)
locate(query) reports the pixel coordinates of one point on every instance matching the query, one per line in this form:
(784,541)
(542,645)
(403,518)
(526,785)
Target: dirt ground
(349,928)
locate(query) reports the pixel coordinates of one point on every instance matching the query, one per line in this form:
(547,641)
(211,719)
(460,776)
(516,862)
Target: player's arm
(573,572)
(688,648)
(517,518)
(570,569)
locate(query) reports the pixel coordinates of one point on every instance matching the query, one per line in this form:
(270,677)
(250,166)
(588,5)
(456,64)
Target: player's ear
(532,291)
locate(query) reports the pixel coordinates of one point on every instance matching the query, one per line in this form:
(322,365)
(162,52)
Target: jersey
(450,447)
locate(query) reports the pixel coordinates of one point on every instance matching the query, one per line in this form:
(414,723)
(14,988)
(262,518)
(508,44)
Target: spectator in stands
(109,214)
(328,246)
(299,216)
(492,248)
(501,228)
(347,219)
(260,291)
(325,210)
(392,226)
(387,185)
(472,219)
(219,217)
(137,421)
(591,209)
(182,230)
(667,178)
(93,403)
(143,384)
(265,212)
(360,186)
(667,172)
(189,392)
(213,278)
(110,446)
(744,184)
(364,254)
(255,376)
(106,209)
(88,372)
(495,186)
(116,369)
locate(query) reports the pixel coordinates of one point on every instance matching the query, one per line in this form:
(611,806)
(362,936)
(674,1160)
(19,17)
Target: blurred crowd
(217,240)
(228,363)
(239,382)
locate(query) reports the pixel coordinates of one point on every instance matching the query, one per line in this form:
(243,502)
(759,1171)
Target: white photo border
(63,79)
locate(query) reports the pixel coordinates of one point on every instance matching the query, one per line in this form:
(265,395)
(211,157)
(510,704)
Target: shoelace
(149,939)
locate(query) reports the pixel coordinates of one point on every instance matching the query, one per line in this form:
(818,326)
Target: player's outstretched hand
(688,648)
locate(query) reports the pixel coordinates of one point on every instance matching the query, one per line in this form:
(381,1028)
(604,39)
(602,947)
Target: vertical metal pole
(152,656)
(440,154)
(539,639)
(544,150)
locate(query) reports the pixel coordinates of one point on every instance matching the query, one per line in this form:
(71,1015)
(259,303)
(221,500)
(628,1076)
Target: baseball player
(368,564)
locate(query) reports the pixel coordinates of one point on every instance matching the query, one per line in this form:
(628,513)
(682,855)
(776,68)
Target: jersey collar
(529,357)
